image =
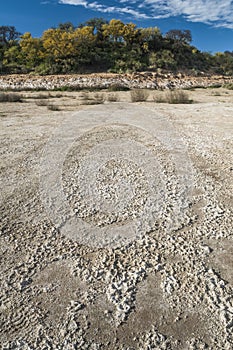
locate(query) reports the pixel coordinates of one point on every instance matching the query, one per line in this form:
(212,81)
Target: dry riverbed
(145,261)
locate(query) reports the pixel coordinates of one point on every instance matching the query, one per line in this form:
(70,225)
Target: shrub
(42,103)
(85,96)
(228,86)
(214,86)
(39,97)
(158,99)
(99,98)
(215,93)
(177,96)
(43,96)
(4,97)
(118,87)
(113,98)
(139,95)
(53,108)
(78,88)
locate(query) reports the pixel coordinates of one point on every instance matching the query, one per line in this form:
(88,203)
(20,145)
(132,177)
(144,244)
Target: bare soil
(170,286)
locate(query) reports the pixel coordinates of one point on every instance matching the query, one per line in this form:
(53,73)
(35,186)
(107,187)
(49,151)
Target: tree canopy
(100,45)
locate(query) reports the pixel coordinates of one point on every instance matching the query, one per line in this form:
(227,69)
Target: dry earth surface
(149,261)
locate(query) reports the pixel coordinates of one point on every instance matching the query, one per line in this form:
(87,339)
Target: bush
(177,96)
(113,98)
(228,86)
(214,86)
(43,96)
(139,95)
(118,87)
(99,98)
(78,88)
(85,96)
(159,99)
(42,103)
(4,97)
(53,108)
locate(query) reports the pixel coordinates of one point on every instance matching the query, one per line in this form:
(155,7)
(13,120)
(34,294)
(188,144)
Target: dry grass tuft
(113,98)
(139,95)
(53,107)
(174,97)
(5,97)
(42,103)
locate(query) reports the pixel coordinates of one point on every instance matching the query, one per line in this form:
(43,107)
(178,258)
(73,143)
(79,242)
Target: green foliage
(8,35)
(180,36)
(99,45)
(163,59)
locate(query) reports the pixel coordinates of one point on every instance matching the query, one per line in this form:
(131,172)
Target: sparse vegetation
(228,86)
(99,98)
(39,97)
(177,96)
(158,99)
(49,95)
(78,88)
(85,96)
(88,99)
(214,86)
(139,95)
(113,98)
(11,97)
(173,97)
(118,87)
(53,107)
(42,103)
(216,93)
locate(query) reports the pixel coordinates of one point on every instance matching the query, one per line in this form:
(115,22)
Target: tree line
(99,46)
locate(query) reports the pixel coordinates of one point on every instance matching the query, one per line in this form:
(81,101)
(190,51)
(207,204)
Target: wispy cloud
(96,6)
(215,12)
(218,13)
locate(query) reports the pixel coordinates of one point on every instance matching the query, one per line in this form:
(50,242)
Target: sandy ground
(116,222)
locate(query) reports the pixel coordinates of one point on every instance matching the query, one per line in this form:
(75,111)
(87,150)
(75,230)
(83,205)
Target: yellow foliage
(31,47)
(60,43)
(114,30)
(219,54)
(84,35)
(149,33)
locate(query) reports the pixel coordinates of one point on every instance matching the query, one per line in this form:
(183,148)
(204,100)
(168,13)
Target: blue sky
(210,21)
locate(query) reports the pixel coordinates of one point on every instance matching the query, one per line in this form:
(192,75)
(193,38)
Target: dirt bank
(135,80)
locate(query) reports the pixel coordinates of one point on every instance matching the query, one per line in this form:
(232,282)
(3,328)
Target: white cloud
(107,9)
(215,12)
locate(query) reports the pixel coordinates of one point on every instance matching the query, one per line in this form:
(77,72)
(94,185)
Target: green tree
(32,51)
(9,37)
(66,26)
(181,36)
